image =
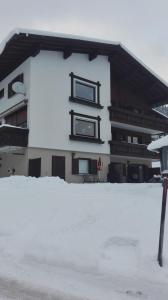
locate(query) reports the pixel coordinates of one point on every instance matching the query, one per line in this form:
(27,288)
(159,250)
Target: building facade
(76,108)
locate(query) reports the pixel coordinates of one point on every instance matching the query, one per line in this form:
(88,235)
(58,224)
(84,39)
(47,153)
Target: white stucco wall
(6,103)
(50,88)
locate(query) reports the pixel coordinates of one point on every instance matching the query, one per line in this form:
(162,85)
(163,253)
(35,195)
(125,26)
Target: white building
(61,124)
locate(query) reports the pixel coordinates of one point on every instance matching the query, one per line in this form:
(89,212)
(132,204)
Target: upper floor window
(19,78)
(85,91)
(85,128)
(1,93)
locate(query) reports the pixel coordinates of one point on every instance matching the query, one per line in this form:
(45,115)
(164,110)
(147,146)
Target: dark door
(58,166)
(35,167)
(136,173)
(117,172)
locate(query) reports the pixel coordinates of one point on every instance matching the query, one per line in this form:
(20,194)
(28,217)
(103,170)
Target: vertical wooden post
(162,221)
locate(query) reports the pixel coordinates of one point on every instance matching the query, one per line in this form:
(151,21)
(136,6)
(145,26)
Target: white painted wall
(49,106)
(6,103)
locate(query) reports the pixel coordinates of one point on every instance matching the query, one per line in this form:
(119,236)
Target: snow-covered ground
(80,241)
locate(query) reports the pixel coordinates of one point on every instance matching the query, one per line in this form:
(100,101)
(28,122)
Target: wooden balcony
(13,136)
(135,150)
(141,120)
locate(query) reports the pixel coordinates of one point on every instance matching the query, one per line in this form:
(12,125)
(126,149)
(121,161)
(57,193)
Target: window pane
(86,128)
(84,91)
(129,139)
(135,140)
(83,166)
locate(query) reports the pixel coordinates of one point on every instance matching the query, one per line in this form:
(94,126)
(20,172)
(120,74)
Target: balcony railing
(126,149)
(136,119)
(13,136)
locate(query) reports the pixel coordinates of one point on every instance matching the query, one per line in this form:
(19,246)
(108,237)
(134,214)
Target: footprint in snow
(136,294)
(120,254)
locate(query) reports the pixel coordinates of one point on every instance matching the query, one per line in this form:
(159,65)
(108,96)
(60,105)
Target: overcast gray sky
(138,24)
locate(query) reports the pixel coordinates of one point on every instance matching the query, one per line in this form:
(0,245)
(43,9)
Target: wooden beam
(67,53)
(92,56)
(35,52)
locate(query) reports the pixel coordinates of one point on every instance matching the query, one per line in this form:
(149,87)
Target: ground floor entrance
(129,172)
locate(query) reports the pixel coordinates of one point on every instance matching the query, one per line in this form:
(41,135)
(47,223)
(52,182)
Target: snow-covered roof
(52,34)
(156,145)
(23,43)
(72,36)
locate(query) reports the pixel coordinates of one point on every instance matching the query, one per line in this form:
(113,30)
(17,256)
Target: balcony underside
(140,120)
(131,150)
(13,138)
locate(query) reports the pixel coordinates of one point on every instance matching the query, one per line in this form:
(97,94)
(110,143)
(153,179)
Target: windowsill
(83,174)
(85,139)
(85,102)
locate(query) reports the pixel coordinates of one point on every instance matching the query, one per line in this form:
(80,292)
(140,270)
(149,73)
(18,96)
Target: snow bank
(91,240)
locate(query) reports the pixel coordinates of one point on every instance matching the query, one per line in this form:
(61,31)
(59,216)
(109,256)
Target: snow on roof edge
(52,34)
(156,145)
(11,126)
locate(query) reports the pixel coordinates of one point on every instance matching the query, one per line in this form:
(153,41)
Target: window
(1,93)
(83,166)
(85,91)
(135,140)
(17,118)
(85,128)
(129,139)
(16,79)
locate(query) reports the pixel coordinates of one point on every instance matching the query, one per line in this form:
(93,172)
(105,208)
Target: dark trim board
(72,75)
(85,139)
(84,116)
(85,102)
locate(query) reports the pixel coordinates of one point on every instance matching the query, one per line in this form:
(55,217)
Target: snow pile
(95,241)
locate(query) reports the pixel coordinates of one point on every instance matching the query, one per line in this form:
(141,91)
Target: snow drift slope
(95,241)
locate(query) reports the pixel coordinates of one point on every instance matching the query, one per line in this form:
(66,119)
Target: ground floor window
(83,166)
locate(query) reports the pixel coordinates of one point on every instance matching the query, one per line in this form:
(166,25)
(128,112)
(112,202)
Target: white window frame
(89,121)
(84,83)
(83,172)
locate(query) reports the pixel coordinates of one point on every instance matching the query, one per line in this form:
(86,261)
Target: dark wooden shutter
(93,166)
(58,166)
(35,167)
(75,166)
